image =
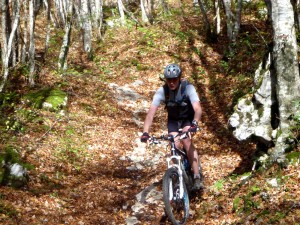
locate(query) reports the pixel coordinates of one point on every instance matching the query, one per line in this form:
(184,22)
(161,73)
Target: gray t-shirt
(159,96)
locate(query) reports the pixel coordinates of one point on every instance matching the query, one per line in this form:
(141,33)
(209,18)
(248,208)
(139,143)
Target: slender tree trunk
(237,21)
(87,28)
(25,32)
(146,7)
(5,27)
(47,39)
(165,6)
(217,17)
(269,9)
(62,64)
(7,45)
(233,22)
(31,42)
(121,11)
(16,38)
(287,73)
(206,20)
(99,18)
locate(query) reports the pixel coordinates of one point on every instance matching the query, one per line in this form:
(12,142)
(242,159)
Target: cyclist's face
(173,83)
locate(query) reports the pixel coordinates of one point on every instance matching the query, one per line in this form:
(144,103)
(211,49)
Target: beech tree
(233,21)
(62,64)
(8,36)
(205,18)
(267,115)
(287,72)
(31,50)
(146,8)
(86,27)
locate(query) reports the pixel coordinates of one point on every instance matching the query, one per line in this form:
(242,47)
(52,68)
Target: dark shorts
(175,125)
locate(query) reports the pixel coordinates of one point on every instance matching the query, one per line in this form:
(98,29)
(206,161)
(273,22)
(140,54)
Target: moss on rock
(49,98)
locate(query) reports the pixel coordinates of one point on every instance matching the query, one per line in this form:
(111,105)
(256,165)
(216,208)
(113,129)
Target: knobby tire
(176,209)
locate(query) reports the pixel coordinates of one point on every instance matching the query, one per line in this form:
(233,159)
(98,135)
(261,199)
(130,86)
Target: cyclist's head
(172,71)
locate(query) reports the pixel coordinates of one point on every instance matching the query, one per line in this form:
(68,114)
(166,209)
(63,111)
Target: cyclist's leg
(173,129)
(191,151)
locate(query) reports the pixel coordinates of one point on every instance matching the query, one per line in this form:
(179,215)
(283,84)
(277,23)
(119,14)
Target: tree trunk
(62,65)
(232,21)
(206,21)
(287,73)
(269,9)
(121,11)
(5,18)
(86,27)
(7,44)
(237,20)
(98,18)
(146,7)
(25,32)
(47,4)
(217,17)
(31,42)
(165,6)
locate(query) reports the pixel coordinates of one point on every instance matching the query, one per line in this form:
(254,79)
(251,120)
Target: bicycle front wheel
(177,208)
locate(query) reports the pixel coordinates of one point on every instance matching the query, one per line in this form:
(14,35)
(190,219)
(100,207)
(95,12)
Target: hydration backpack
(178,104)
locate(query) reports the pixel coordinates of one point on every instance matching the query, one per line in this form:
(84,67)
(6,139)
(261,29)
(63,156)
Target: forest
(78,76)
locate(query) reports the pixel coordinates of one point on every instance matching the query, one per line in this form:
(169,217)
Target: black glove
(145,137)
(194,127)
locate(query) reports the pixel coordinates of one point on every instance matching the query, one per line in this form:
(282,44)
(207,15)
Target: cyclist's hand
(145,137)
(194,127)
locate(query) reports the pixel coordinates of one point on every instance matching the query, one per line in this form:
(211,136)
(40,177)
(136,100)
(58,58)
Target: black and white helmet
(172,71)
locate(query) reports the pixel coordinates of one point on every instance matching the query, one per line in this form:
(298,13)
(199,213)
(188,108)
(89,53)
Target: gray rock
(252,114)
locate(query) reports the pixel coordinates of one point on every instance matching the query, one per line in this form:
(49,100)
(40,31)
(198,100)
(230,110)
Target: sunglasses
(172,79)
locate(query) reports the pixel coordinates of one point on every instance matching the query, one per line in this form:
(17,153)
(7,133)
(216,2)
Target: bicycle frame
(175,161)
(175,180)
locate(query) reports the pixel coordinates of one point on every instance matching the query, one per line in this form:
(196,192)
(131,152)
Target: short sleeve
(158,97)
(192,93)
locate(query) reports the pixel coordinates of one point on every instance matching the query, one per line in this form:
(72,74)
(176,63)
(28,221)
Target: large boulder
(52,99)
(12,172)
(17,176)
(252,117)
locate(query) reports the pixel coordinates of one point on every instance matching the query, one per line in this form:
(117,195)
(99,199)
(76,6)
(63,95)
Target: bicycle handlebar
(169,137)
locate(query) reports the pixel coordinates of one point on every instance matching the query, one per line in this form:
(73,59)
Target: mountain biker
(184,111)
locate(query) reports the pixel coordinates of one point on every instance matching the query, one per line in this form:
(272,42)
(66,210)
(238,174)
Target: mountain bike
(178,180)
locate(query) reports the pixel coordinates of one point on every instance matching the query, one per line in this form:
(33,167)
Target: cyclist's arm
(149,118)
(198,110)
(157,99)
(194,98)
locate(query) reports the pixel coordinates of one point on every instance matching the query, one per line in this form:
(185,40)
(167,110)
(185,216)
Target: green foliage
(236,203)
(52,96)
(72,150)
(296,127)
(8,209)
(10,154)
(293,157)
(197,51)
(246,203)
(148,37)
(8,100)
(219,185)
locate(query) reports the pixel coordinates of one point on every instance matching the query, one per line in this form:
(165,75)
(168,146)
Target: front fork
(175,161)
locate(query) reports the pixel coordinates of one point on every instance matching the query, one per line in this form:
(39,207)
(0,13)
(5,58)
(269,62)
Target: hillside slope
(89,165)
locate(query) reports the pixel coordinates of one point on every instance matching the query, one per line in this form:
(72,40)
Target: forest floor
(82,161)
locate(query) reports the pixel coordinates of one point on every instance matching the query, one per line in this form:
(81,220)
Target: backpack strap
(167,93)
(183,83)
